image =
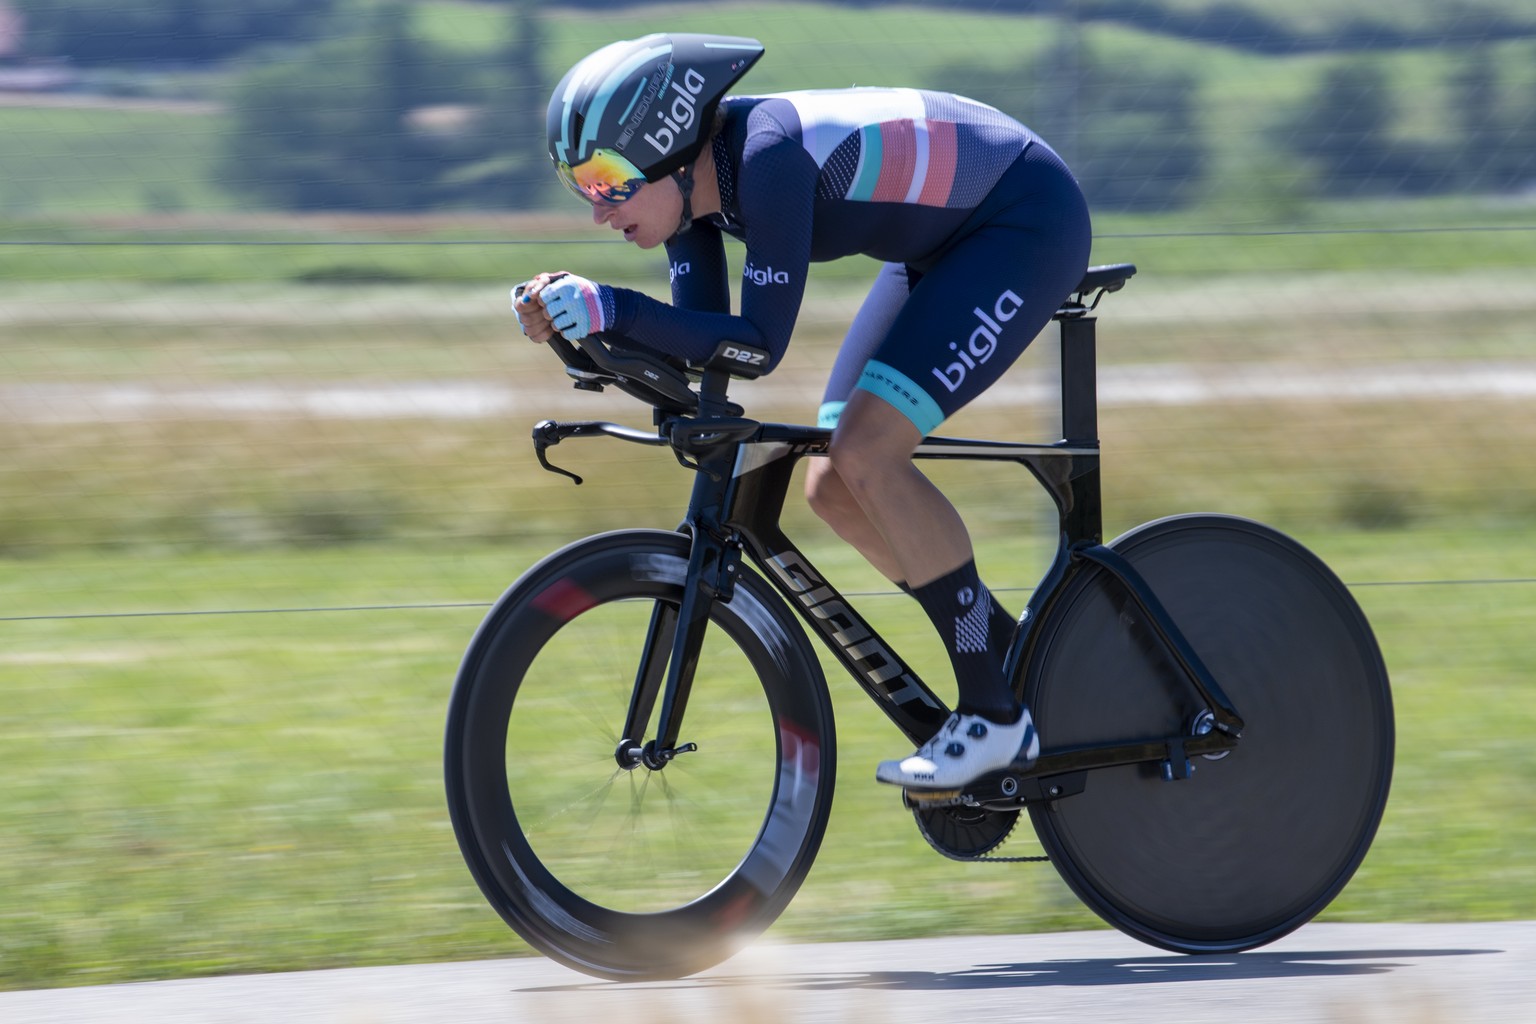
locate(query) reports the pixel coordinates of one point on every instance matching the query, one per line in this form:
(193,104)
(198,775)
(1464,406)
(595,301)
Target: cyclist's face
(648,217)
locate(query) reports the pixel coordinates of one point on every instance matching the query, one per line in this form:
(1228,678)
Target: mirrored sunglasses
(604,177)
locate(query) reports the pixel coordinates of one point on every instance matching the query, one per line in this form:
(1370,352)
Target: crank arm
(1065,773)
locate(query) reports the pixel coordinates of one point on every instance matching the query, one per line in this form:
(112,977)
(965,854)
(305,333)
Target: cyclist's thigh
(973,313)
(869,328)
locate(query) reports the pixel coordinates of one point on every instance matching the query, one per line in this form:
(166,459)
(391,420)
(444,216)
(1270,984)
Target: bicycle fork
(676,634)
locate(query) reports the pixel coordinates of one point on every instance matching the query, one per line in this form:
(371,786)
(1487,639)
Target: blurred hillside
(190,106)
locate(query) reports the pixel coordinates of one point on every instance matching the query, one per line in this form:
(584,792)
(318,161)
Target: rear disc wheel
(1255,843)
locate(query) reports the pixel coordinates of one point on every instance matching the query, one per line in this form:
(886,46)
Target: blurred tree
(1481,129)
(1131,133)
(1494,127)
(324,129)
(1346,131)
(1520,155)
(1140,145)
(1343,129)
(379,120)
(110,31)
(511,169)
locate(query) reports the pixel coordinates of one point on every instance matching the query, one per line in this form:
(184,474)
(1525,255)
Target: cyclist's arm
(777,186)
(696,265)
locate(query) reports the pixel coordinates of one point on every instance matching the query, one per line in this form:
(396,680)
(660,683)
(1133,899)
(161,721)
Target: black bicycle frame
(743,473)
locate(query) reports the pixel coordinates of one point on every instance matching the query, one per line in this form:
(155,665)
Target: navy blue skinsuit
(981,228)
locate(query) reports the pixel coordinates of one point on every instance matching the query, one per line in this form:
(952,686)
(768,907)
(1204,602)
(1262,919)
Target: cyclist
(981,232)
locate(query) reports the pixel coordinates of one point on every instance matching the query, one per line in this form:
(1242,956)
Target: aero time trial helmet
(640,109)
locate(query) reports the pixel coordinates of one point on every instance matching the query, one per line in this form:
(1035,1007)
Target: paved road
(1326,973)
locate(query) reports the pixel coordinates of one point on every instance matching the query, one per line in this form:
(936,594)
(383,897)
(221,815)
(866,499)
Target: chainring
(964,833)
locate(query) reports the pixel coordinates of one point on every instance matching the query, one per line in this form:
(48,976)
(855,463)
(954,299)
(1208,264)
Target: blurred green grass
(1440,236)
(198,794)
(90,162)
(89,459)
(216,793)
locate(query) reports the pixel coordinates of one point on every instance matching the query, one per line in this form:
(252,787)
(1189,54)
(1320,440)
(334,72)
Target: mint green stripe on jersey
(829,413)
(901,391)
(869,164)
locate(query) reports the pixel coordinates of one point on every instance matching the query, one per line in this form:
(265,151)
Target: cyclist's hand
(532,317)
(577,307)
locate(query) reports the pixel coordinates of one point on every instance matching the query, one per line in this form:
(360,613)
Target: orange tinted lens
(604,176)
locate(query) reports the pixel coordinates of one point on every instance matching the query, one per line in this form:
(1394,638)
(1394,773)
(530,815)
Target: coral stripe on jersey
(939,175)
(898,143)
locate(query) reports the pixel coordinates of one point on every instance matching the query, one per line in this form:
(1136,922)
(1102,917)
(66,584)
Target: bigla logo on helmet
(982,342)
(687,89)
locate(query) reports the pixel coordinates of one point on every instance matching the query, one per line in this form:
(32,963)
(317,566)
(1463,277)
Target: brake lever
(546,436)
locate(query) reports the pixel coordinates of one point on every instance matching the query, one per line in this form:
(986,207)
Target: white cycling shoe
(964,749)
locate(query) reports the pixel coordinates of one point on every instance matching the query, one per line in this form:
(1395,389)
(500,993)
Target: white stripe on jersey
(828,116)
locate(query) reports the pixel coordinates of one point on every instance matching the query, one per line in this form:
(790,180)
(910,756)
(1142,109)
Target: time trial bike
(640,751)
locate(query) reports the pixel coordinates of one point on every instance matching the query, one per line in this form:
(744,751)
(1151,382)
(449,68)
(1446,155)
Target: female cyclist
(981,231)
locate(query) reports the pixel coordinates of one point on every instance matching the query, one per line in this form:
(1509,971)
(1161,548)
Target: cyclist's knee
(827,495)
(872,439)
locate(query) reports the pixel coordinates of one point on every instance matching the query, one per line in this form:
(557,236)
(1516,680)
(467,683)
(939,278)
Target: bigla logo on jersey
(681,112)
(982,342)
(760,275)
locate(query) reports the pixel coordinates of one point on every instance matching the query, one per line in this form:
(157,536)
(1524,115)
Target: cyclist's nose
(601,212)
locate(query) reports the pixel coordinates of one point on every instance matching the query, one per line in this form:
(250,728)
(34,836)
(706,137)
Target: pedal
(931,798)
(999,791)
(999,787)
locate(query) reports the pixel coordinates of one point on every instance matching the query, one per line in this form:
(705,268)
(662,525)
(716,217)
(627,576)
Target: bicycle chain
(985,859)
(1037,859)
(948,851)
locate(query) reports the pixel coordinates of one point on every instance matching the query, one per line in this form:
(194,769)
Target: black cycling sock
(975,633)
(1003,624)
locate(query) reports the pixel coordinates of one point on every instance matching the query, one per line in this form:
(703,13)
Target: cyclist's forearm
(692,334)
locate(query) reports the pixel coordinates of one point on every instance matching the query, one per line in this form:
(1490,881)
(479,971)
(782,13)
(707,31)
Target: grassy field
(89,162)
(259,790)
(1471,235)
(257,787)
(214,793)
(231,616)
(82,468)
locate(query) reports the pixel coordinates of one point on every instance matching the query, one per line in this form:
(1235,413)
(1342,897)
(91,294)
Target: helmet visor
(604,177)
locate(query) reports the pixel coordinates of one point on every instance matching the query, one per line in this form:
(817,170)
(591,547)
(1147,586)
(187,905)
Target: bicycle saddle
(1110,278)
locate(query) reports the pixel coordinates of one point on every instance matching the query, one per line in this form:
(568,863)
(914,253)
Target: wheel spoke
(592,873)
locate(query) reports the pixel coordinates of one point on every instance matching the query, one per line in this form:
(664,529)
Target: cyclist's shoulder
(773,114)
(767,134)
